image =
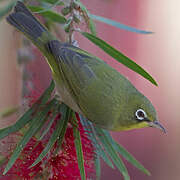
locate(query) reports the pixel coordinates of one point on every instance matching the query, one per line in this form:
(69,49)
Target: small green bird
(85,83)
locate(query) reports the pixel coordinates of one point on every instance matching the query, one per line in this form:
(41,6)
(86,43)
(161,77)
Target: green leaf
(47,94)
(97,144)
(68,113)
(97,167)
(53,139)
(28,115)
(46,7)
(101,152)
(126,154)
(48,126)
(51,15)
(67,25)
(131,159)
(79,152)
(92,27)
(37,122)
(112,153)
(57,2)
(119,25)
(119,56)
(18,125)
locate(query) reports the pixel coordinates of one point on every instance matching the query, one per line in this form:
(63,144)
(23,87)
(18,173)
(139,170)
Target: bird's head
(139,112)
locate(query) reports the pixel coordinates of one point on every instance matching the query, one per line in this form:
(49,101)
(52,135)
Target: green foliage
(79,151)
(97,167)
(35,125)
(50,15)
(118,25)
(122,151)
(100,152)
(118,56)
(53,2)
(55,135)
(109,148)
(102,138)
(66,115)
(27,117)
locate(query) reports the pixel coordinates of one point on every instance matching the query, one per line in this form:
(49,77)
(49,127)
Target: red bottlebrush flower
(20,169)
(28,156)
(63,166)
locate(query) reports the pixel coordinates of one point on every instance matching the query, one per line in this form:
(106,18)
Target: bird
(84,82)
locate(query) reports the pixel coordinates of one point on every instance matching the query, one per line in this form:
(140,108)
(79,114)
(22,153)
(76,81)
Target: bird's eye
(140,114)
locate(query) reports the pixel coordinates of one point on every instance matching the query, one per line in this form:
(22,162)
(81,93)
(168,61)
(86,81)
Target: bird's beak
(156,124)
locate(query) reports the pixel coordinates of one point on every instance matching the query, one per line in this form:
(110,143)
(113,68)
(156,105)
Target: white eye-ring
(140,114)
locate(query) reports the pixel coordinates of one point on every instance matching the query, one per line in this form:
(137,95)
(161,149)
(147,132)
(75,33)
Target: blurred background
(157,53)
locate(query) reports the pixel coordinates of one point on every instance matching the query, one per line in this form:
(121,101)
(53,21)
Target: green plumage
(84,82)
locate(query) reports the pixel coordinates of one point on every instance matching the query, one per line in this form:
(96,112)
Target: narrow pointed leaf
(97,144)
(35,125)
(19,124)
(100,151)
(51,15)
(97,167)
(119,25)
(28,115)
(46,7)
(68,113)
(131,159)
(92,27)
(112,153)
(79,152)
(126,154)
(48,126)
(119,56)
(57,2)
(47,93)
(52,140)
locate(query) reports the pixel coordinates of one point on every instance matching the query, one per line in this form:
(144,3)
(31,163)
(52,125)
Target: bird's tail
(22,19)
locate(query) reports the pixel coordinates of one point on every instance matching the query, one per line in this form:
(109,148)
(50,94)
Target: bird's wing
(75,67)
